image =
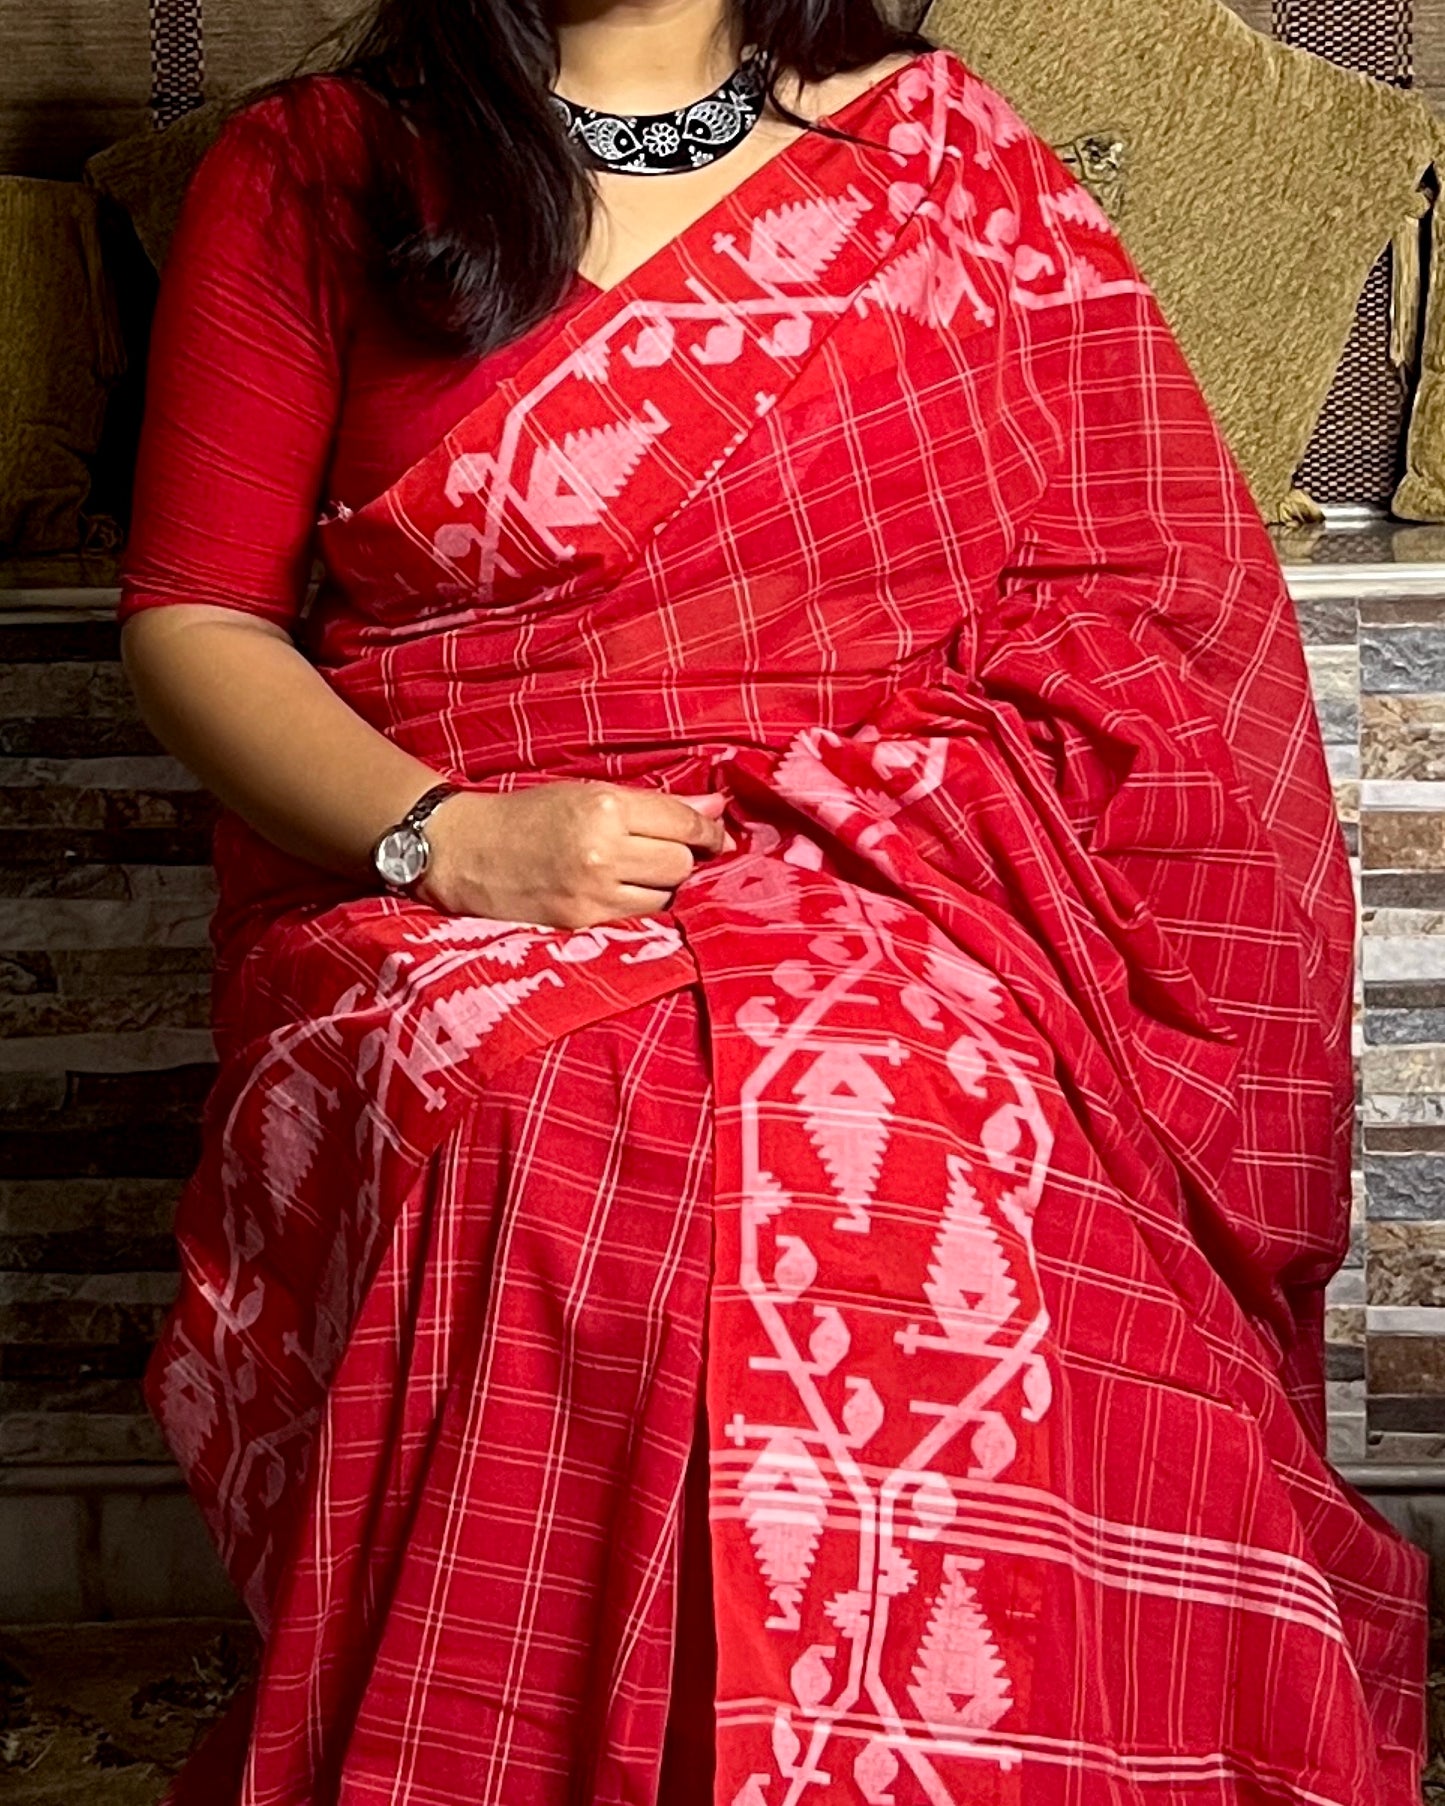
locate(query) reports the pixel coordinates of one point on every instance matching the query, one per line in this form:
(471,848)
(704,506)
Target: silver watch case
(402,856)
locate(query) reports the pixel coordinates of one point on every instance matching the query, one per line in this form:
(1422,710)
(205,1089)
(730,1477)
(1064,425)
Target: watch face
(401,857)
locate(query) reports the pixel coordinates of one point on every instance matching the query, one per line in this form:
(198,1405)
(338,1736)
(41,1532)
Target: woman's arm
(232,697)
(244,392)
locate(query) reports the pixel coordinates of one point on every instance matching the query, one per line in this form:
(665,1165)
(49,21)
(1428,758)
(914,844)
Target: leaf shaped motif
(959,1678)
(757,1018)
(448,1030)
(970,1283)
(291,1132)
(794,977)
(796,242)
(1031,264)
(751,1792)
(847,1110)
(905,198)
(249,1309)
(1000,1137)
(604,457)
(785,1503)
(569,483)
(909,138)
(273,1480)
(187,1407)
(929,284)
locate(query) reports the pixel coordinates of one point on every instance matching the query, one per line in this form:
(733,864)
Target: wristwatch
(403,853)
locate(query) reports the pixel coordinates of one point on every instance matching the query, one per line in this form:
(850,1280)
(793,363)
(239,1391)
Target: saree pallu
(1017,1028)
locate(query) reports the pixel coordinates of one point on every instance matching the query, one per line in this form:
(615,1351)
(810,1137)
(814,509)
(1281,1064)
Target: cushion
(76,74)
(60,351)
(147,174)
(1421,495)
(1263,184)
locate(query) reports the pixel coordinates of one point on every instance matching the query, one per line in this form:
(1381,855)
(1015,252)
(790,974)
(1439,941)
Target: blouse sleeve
(244,382)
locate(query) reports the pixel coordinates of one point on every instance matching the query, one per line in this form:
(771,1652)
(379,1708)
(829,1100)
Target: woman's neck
(644,56)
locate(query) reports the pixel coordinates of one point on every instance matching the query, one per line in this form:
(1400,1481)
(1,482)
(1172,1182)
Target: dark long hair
(480,208)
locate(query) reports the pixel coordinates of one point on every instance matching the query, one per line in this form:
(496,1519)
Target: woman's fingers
(639,900)
(653,864)
(711,808)
(711,804)
(654,815)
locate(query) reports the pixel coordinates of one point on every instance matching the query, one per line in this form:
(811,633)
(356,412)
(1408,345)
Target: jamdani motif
(882,501)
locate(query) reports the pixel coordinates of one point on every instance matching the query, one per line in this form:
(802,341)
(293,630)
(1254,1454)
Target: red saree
(986,1117)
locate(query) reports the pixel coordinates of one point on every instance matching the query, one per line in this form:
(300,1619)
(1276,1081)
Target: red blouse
(279,384)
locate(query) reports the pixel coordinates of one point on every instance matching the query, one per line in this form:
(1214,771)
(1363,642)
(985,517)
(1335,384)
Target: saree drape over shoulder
(977,1134)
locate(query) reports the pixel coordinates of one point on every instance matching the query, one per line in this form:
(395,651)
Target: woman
(781,905)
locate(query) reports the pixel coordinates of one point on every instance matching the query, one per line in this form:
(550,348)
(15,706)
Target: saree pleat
(985,1116)
(480,1599)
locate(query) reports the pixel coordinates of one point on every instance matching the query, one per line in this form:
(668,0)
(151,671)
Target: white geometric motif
(959,1678)
(847,1115)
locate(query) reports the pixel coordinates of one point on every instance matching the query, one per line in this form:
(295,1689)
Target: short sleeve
(244,383)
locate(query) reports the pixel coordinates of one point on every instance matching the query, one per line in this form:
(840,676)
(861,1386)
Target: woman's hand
(567,855)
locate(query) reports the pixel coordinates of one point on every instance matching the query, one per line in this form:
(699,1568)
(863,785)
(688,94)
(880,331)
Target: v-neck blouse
(279,383)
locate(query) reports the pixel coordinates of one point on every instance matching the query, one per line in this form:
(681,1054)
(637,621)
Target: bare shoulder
(816,100)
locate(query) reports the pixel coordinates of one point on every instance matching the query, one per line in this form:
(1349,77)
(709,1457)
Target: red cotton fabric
(976,1136)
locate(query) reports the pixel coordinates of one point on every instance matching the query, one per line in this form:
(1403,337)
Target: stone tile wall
(105,896)
(104,1060)
(1372,609)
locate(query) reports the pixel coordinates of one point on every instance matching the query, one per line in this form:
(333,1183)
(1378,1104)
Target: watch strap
(425,806)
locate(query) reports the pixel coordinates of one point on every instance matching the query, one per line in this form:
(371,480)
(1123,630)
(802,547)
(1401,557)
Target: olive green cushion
(60,351)
(1421,496)
(1263,184)
(147,174)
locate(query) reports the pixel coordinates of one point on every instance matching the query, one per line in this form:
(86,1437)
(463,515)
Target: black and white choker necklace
(666,144)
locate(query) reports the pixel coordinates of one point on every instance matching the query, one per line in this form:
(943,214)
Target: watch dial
(401,856)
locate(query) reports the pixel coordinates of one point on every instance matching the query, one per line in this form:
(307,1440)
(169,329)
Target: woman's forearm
(235,701)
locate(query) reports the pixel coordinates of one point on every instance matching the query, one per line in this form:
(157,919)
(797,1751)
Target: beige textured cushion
(76,74)
(59,353)
(1421,496)
(1263,184)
